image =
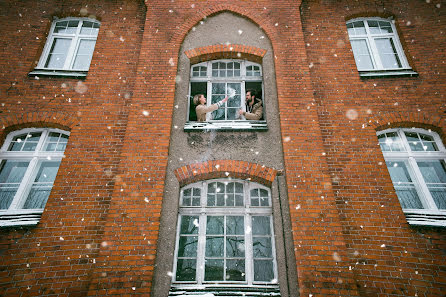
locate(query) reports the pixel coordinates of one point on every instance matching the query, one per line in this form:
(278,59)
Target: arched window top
(371,25)
(410,140)
(227,68)
(76,26)
(225,193)
(33,139)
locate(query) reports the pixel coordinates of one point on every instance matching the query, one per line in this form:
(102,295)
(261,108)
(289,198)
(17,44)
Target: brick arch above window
(38,119)
(431,120)
(262,19)
(223,169)
(225,51)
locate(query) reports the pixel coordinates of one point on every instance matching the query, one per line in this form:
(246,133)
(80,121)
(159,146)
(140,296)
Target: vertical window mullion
(25,185)
(74,45)
(426,194)
(421,186)
(249,262)
(201,248)
(209,98)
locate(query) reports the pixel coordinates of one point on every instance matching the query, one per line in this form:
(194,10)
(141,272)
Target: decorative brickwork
(225,168)
(225,51)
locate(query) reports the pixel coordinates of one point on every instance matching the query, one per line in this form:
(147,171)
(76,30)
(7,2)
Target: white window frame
(430,214)
(15,214)
(371,45)
(247,211)
(242,79)
(76,38)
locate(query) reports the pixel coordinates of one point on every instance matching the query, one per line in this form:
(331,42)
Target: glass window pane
(263,270)
(385,27)
(186,269)
(214,246)
(373,26)
(235,270)
(84,54)
(11,175)
(215,225)
(387,53)
(261,225)
(235,225)
(261,247)
(264,197)
(434,174)
(214,270)
(356,28)
(58,53)
(235,246)
(187,246)
(404,186)
(414,142)
(47,171)
(189,225)
(361,54)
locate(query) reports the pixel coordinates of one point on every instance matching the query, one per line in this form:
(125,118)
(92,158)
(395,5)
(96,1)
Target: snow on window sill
(25,217)
(387,73)
(192,126)
(219,290)
(426,218)
(63,73)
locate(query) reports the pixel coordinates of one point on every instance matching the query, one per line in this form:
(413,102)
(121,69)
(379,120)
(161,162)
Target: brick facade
(98,234)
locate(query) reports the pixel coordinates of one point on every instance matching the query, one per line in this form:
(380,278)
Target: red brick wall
(388,257)
(35,261)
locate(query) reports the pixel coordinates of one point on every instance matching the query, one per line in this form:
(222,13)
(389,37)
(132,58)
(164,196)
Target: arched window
(220,78)
(69,47)
(30,159)
(416,160)
(225,236)
(376,45)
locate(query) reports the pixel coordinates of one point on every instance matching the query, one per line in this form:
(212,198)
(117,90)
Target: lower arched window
(30,159)
(225,235)
(416,160)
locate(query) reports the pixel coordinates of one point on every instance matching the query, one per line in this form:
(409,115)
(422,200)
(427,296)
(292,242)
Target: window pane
(58,53)
(89,28)
(84,54)
(189,225)
(356,28)
(235,247)
(263,270)
(361,54)
(404,186)
(373,26)
(188,246)
(213,270)
(66,27)
(186,269)
(214,246)
(235,270)
(235,225)
(385,27)
(215,225)
(41,188)
(414,141)
(434,174)
(261,225)
(387,53)
(11,175)
(262,247)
